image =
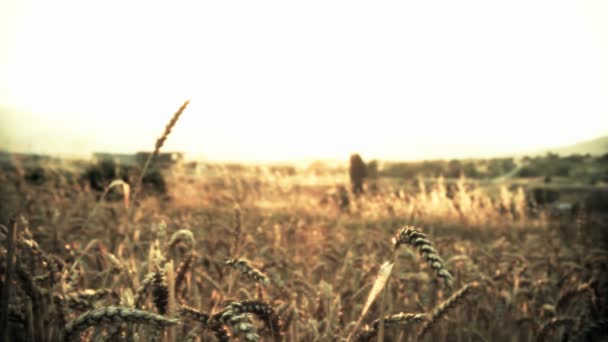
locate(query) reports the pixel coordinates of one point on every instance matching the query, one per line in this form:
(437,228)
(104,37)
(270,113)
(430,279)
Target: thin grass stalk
(383,300)
(171,305)
(159,143)
(10,248)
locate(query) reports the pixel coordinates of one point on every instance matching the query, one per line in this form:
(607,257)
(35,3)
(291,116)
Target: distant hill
(596,147)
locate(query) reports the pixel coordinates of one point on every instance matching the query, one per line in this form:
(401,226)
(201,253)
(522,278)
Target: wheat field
(261,254)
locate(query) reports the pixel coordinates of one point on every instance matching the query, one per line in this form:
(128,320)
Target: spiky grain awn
(248,270)
(113,315)
(401,319)
(445,306)
(239,322)
(414,237)
(206,321)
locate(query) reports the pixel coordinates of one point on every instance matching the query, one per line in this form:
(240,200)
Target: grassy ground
(312,261)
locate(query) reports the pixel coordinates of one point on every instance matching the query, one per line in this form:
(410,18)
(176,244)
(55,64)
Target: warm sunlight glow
(283,81)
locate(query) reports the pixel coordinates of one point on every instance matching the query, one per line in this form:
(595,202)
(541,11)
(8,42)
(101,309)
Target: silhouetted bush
(597,201)
(35,175)
(99,176)
(357,172)
(542,196)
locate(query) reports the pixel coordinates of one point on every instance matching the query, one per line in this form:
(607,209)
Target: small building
(162,160)
(126,159)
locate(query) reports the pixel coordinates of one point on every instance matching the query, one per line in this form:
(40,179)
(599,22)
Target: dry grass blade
(171,305)
(126,191)
(182,270)
(92,294)
(383,275)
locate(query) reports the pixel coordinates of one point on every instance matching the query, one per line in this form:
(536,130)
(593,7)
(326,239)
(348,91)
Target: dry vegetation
(280,257)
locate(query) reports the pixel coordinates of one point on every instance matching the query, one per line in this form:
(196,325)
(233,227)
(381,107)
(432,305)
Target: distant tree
(358,172)
(528,172)
(372,169)
(454,168)
(575,158)
(470,170)
(36,175)
(495,168)
(508,164)
(562,170)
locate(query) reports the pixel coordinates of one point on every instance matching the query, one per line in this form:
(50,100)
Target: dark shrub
(99,176)
(542,196)
(35,175)
(357,173)
(597,201)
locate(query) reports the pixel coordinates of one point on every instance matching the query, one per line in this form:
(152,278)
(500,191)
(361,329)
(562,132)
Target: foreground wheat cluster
(259,257)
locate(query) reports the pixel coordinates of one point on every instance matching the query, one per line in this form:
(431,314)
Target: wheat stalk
(157,146)
(445,306)
(182,270)
(400,319)
(552,324)
(593,331)
(566,298)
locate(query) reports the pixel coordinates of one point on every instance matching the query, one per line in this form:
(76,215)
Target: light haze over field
(280,80)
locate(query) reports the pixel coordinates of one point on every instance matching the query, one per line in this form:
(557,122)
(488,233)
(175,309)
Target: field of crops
(257,254)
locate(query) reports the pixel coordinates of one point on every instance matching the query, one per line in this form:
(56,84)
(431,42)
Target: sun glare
(274,81)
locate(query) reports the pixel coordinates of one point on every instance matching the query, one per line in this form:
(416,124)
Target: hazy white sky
(294,80)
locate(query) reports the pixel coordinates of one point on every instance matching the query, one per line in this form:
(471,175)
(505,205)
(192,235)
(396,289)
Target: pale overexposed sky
(282,80)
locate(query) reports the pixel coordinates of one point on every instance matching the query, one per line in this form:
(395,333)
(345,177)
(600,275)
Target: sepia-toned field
(261,254)
(279,253)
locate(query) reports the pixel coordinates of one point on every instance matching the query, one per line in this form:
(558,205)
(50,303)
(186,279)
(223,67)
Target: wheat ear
(414,237)
(159,143)
(249,271)
(113,315)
